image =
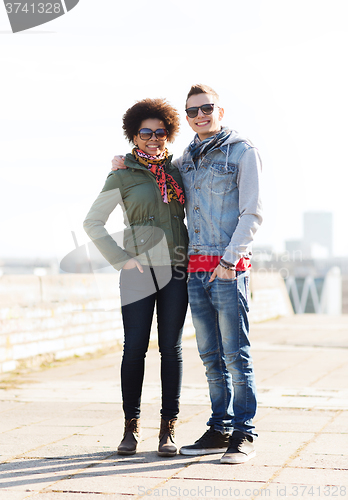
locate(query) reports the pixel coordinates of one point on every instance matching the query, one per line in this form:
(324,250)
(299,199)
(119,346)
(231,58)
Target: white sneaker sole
(206,451)
(237,458)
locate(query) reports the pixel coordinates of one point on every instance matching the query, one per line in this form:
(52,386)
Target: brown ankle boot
(167,447)
(131,436)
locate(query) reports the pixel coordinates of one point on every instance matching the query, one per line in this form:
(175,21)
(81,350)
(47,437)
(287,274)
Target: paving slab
(321,460)
(10,494)
(339,424)
(294,420)
(313,477)
(210,468)
(276,447)
(104,480)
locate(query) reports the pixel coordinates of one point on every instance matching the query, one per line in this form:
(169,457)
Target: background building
(317,235)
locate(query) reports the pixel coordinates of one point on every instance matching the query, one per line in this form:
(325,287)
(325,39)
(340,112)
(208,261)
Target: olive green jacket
(155,232)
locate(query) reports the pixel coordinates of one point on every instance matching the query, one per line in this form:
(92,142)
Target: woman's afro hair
(151,108)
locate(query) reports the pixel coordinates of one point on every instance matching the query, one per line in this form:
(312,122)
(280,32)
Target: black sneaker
(240,450)
(212,441)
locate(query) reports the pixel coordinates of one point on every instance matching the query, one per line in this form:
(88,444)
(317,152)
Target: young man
(221,175)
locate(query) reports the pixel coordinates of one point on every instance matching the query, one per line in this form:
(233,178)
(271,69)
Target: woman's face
(155,145)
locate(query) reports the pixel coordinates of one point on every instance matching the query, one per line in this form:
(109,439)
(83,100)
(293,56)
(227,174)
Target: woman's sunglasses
(146,133)
(207,109)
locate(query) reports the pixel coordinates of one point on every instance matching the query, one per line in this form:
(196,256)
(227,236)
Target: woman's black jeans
(171,305)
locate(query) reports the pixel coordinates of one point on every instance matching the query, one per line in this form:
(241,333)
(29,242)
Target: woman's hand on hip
(118,163)
(132,263)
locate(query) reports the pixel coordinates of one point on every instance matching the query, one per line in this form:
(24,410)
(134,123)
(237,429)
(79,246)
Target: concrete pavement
(60,426)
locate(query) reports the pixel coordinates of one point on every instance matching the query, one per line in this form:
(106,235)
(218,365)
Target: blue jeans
(219,313)
(171,305)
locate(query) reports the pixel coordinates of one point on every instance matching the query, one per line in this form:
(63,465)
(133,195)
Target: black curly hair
(151,108)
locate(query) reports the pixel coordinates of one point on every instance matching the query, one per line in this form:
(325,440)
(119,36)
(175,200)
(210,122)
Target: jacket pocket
(140,239)
(223,177)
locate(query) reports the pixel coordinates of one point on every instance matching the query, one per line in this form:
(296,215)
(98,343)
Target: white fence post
(331,300)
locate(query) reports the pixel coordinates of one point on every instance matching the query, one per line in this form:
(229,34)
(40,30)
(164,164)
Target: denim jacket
(223,205)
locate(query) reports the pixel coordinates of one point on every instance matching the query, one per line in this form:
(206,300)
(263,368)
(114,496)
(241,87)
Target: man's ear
(221,113)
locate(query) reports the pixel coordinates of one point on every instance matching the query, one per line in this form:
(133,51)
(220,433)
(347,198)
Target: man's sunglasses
(207,109)
(146,133)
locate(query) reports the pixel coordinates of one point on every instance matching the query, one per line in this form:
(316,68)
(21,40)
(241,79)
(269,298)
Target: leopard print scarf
(170,189)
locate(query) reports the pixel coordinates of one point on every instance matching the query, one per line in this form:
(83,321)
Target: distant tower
(317,234)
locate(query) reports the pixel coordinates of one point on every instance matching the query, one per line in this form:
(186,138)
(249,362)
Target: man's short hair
(199,88)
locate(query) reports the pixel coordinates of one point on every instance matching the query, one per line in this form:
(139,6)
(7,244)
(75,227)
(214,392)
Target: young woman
(153,261)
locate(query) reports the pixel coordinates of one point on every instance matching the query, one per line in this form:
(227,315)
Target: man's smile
(202,124)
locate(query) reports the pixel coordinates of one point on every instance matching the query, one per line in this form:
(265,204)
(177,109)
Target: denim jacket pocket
(223,177)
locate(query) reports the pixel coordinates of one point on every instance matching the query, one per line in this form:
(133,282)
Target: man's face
(205,125)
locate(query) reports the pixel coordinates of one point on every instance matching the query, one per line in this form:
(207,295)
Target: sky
(280,70)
